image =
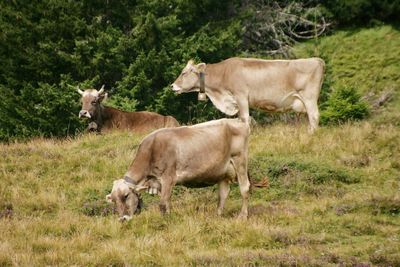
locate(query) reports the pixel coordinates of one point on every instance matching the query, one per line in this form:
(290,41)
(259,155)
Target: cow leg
(243,105)
(244,183)
(166,191)
(313,115)
(224,188)
(297,119)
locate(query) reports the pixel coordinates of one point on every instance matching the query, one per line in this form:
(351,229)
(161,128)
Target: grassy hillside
(366,59)
(333,196)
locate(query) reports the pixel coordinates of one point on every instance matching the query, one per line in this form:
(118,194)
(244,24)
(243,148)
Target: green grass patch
(365,59)
(292,177)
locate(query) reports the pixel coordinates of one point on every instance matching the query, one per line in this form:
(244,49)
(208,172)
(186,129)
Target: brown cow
(104,118)
(209,153)
(236,84)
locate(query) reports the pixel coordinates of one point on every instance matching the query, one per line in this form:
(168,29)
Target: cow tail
(322,74)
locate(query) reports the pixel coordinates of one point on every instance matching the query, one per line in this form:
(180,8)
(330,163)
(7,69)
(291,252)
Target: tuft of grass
(98,208)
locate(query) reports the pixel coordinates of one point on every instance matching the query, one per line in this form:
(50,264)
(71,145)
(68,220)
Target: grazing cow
(104,118)
(236,84)
(213,152)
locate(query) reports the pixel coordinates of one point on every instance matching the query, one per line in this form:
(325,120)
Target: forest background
(137,49)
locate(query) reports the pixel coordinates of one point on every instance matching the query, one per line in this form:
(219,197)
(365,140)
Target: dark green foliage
(343,104)
(137,48)
(361,12)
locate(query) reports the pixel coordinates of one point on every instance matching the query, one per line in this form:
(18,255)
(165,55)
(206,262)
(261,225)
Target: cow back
(141,121)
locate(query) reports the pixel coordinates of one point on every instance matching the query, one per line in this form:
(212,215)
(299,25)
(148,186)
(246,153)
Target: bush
(344,104)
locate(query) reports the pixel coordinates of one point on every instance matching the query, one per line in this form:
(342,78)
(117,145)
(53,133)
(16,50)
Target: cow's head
(127,198)
(189,79)
(91,100)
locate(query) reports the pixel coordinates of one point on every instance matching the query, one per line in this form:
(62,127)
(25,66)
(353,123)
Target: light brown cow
(209,153)
(102,118)
(236,84)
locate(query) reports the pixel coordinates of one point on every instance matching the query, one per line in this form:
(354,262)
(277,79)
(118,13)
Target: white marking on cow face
(84,113)
(91,99)
(90,92)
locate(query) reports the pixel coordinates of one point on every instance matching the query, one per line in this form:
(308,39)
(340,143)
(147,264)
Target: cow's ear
(190,63)
(201,67)
(103,97)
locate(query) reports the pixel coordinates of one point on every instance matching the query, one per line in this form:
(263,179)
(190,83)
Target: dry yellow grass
(326,204)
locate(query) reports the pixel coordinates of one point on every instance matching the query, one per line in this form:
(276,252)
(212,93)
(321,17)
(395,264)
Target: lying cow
(102,118)
(209,153)
(236,84)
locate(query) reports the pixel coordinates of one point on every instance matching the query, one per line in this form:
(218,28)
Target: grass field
(333,197)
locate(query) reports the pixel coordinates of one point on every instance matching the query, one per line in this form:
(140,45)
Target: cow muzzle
(176,88)
(84,113)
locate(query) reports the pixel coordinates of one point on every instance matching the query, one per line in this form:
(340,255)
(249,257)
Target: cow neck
(129,180)
(99,117)
(202,82)
(212,80)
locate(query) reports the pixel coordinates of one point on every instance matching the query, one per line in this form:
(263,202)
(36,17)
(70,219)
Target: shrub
(344,104)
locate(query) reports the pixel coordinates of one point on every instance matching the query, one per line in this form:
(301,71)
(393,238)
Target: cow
(103,118)
(235,84)
(204,154)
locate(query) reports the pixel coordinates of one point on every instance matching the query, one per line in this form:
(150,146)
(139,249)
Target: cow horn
(101,89)
(79,90)
(135,187)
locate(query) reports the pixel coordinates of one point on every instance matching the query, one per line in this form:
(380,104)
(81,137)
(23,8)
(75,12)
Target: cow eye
(94,102)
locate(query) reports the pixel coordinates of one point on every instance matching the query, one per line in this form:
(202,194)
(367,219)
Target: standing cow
(236,84)
(213,152)
(104,118)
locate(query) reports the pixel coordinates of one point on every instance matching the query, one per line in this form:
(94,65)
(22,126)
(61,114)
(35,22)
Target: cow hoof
(153,191)
(242,217)
(125,218)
